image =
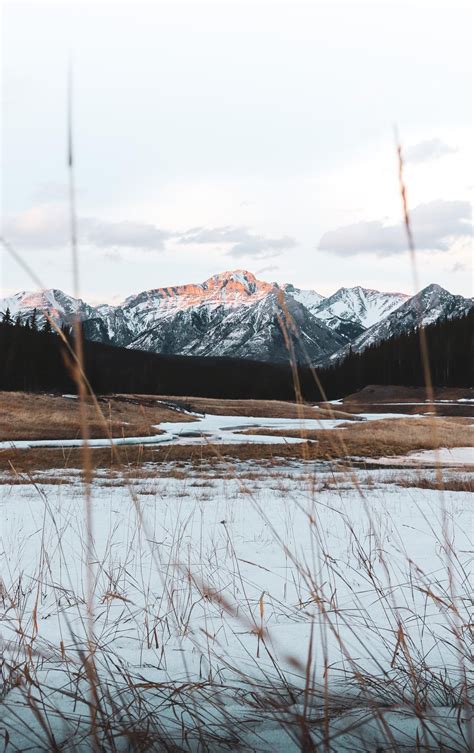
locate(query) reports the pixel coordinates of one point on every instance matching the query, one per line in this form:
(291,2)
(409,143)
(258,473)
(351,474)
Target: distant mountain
(230,314)
(60,306)
(236,315)
(251,330)
(427,306)
(148,316)
(34,360)
(350,311)
(308,298)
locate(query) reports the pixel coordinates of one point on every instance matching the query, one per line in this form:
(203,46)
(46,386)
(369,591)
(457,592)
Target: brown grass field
(462,483)
(377,393)
(385,437)
(42,416)
(258,408)
(396,399)
(372,439)
(39,416)
(197,476)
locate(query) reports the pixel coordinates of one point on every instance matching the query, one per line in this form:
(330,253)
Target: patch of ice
(25,444)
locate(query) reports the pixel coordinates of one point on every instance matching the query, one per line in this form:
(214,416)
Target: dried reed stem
(84,428)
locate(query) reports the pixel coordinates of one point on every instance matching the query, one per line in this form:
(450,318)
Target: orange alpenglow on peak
(234,287)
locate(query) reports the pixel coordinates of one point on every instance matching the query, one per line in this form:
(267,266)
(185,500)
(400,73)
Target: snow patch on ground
(445,456)
(210,429)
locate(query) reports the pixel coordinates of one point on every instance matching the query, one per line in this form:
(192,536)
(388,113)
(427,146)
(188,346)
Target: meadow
(206,593)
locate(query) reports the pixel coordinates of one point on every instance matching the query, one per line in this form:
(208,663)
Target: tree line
(398,360)
(35,359)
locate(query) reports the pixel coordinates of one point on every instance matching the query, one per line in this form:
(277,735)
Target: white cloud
(435,225)
(47,226)
(44,225)
(428,150)
(124,234)
(241,241)
(267,270)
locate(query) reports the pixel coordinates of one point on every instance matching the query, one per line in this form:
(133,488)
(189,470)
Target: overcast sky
(237,135)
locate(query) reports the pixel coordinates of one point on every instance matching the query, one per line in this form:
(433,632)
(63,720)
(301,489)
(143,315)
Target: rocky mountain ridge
(235,314)
(427,306)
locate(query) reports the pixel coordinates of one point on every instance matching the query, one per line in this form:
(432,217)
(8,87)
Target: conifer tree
(47,327)
(7,317)
(33,321)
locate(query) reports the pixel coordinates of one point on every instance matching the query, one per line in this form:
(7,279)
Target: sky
(246,135)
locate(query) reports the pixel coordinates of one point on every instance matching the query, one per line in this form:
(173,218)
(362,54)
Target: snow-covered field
(278,608)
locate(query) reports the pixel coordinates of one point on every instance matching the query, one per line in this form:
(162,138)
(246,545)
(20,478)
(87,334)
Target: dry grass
(413,682)
(39,416)
(132,458)
(376,393)
(412,400)
(119,706)
(385,437)
(258,408)
(459,410)
(452,484)
(389,437)
(131,706)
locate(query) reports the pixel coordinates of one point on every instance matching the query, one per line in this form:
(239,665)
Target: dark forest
(35,360)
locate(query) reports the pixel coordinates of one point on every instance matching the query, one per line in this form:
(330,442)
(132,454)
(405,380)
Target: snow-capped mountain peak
(239,280)
(364,305)
(350,311)
(231,288)
(427,306)
(59,305)
(235,314)
(308,298)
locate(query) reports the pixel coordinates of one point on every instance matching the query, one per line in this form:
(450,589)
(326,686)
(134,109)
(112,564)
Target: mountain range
(235,314)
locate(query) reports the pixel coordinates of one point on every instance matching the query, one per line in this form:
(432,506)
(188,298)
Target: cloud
(47,226)
(123,234)
(39,226)
(241,241)
(426,151)
(435,225)
(266,270)
(461,266)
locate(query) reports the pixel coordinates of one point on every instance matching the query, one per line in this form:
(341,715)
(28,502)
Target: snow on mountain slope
(230,314)
(350,311)
(252,330)
(426,307)
(230,288)
(141,312)
(60,306)
(235,314)
(308,298)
